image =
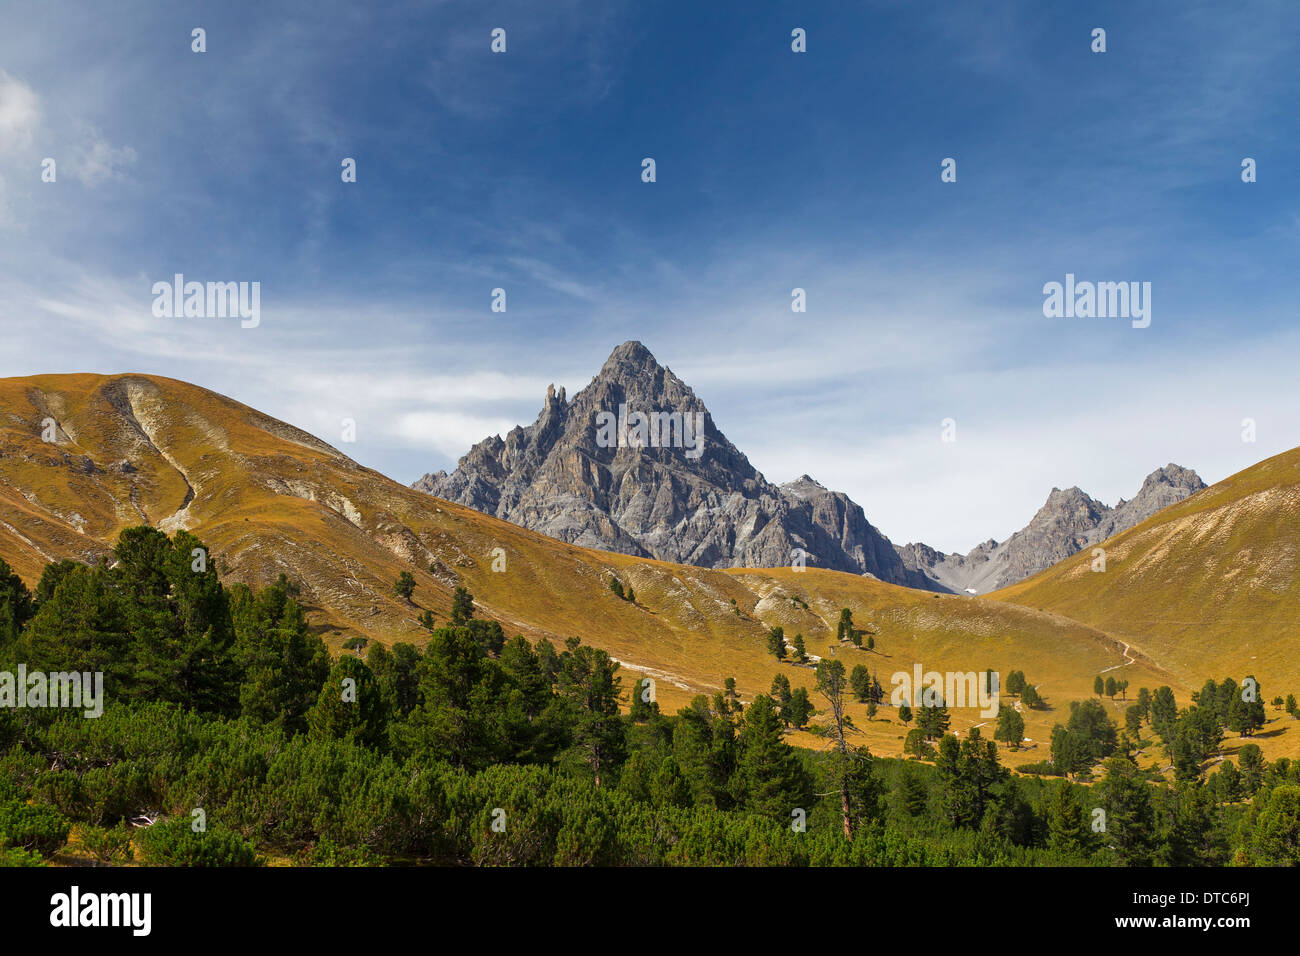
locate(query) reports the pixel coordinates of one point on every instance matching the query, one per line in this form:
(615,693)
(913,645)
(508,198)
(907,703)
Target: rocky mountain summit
(1068,522)
(634,463)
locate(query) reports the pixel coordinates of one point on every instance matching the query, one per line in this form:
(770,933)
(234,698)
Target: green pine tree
(350,706)
(776,642)
(769,778)
(800,652)
(1011,727)
(1067,830)
(860,682)
(1130,815)
(462,607)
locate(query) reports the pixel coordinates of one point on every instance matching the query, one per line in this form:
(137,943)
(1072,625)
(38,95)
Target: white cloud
(19,114)
(450,433)
(1029,429)
(100,161)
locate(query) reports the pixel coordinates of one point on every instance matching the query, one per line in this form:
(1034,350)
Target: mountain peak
(803,487)
(683,494)
(1176,476)
(1068,521)
(631,353)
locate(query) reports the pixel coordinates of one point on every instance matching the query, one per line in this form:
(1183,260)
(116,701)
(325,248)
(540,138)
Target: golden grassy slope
(1207,584)
(1208,587)
(268,498)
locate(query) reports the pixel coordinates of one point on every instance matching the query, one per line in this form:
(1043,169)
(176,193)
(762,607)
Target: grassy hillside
(1207,587)
(268,498)
(1212,580)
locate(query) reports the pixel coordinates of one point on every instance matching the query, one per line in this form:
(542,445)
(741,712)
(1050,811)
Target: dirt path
(1128,661)
(674,679)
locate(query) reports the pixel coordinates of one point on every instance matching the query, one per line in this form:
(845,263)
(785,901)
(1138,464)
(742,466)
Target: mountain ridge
(1068,521)
(1217,574)
(718,511)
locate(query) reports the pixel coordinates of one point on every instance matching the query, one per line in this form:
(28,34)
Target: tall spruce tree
(1130,815)
(282,662)
(588,681)
(1067,830)
(770,778)
(833,687)
(860,681)
(178,615)
(776,642)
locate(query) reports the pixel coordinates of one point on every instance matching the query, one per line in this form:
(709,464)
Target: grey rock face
(674,501)
(1068,522)
(1162,488)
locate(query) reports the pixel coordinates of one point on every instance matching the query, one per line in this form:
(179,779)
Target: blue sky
(775,170)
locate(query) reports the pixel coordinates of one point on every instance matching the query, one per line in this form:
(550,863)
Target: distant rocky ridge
(1068,522)
(711,508)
